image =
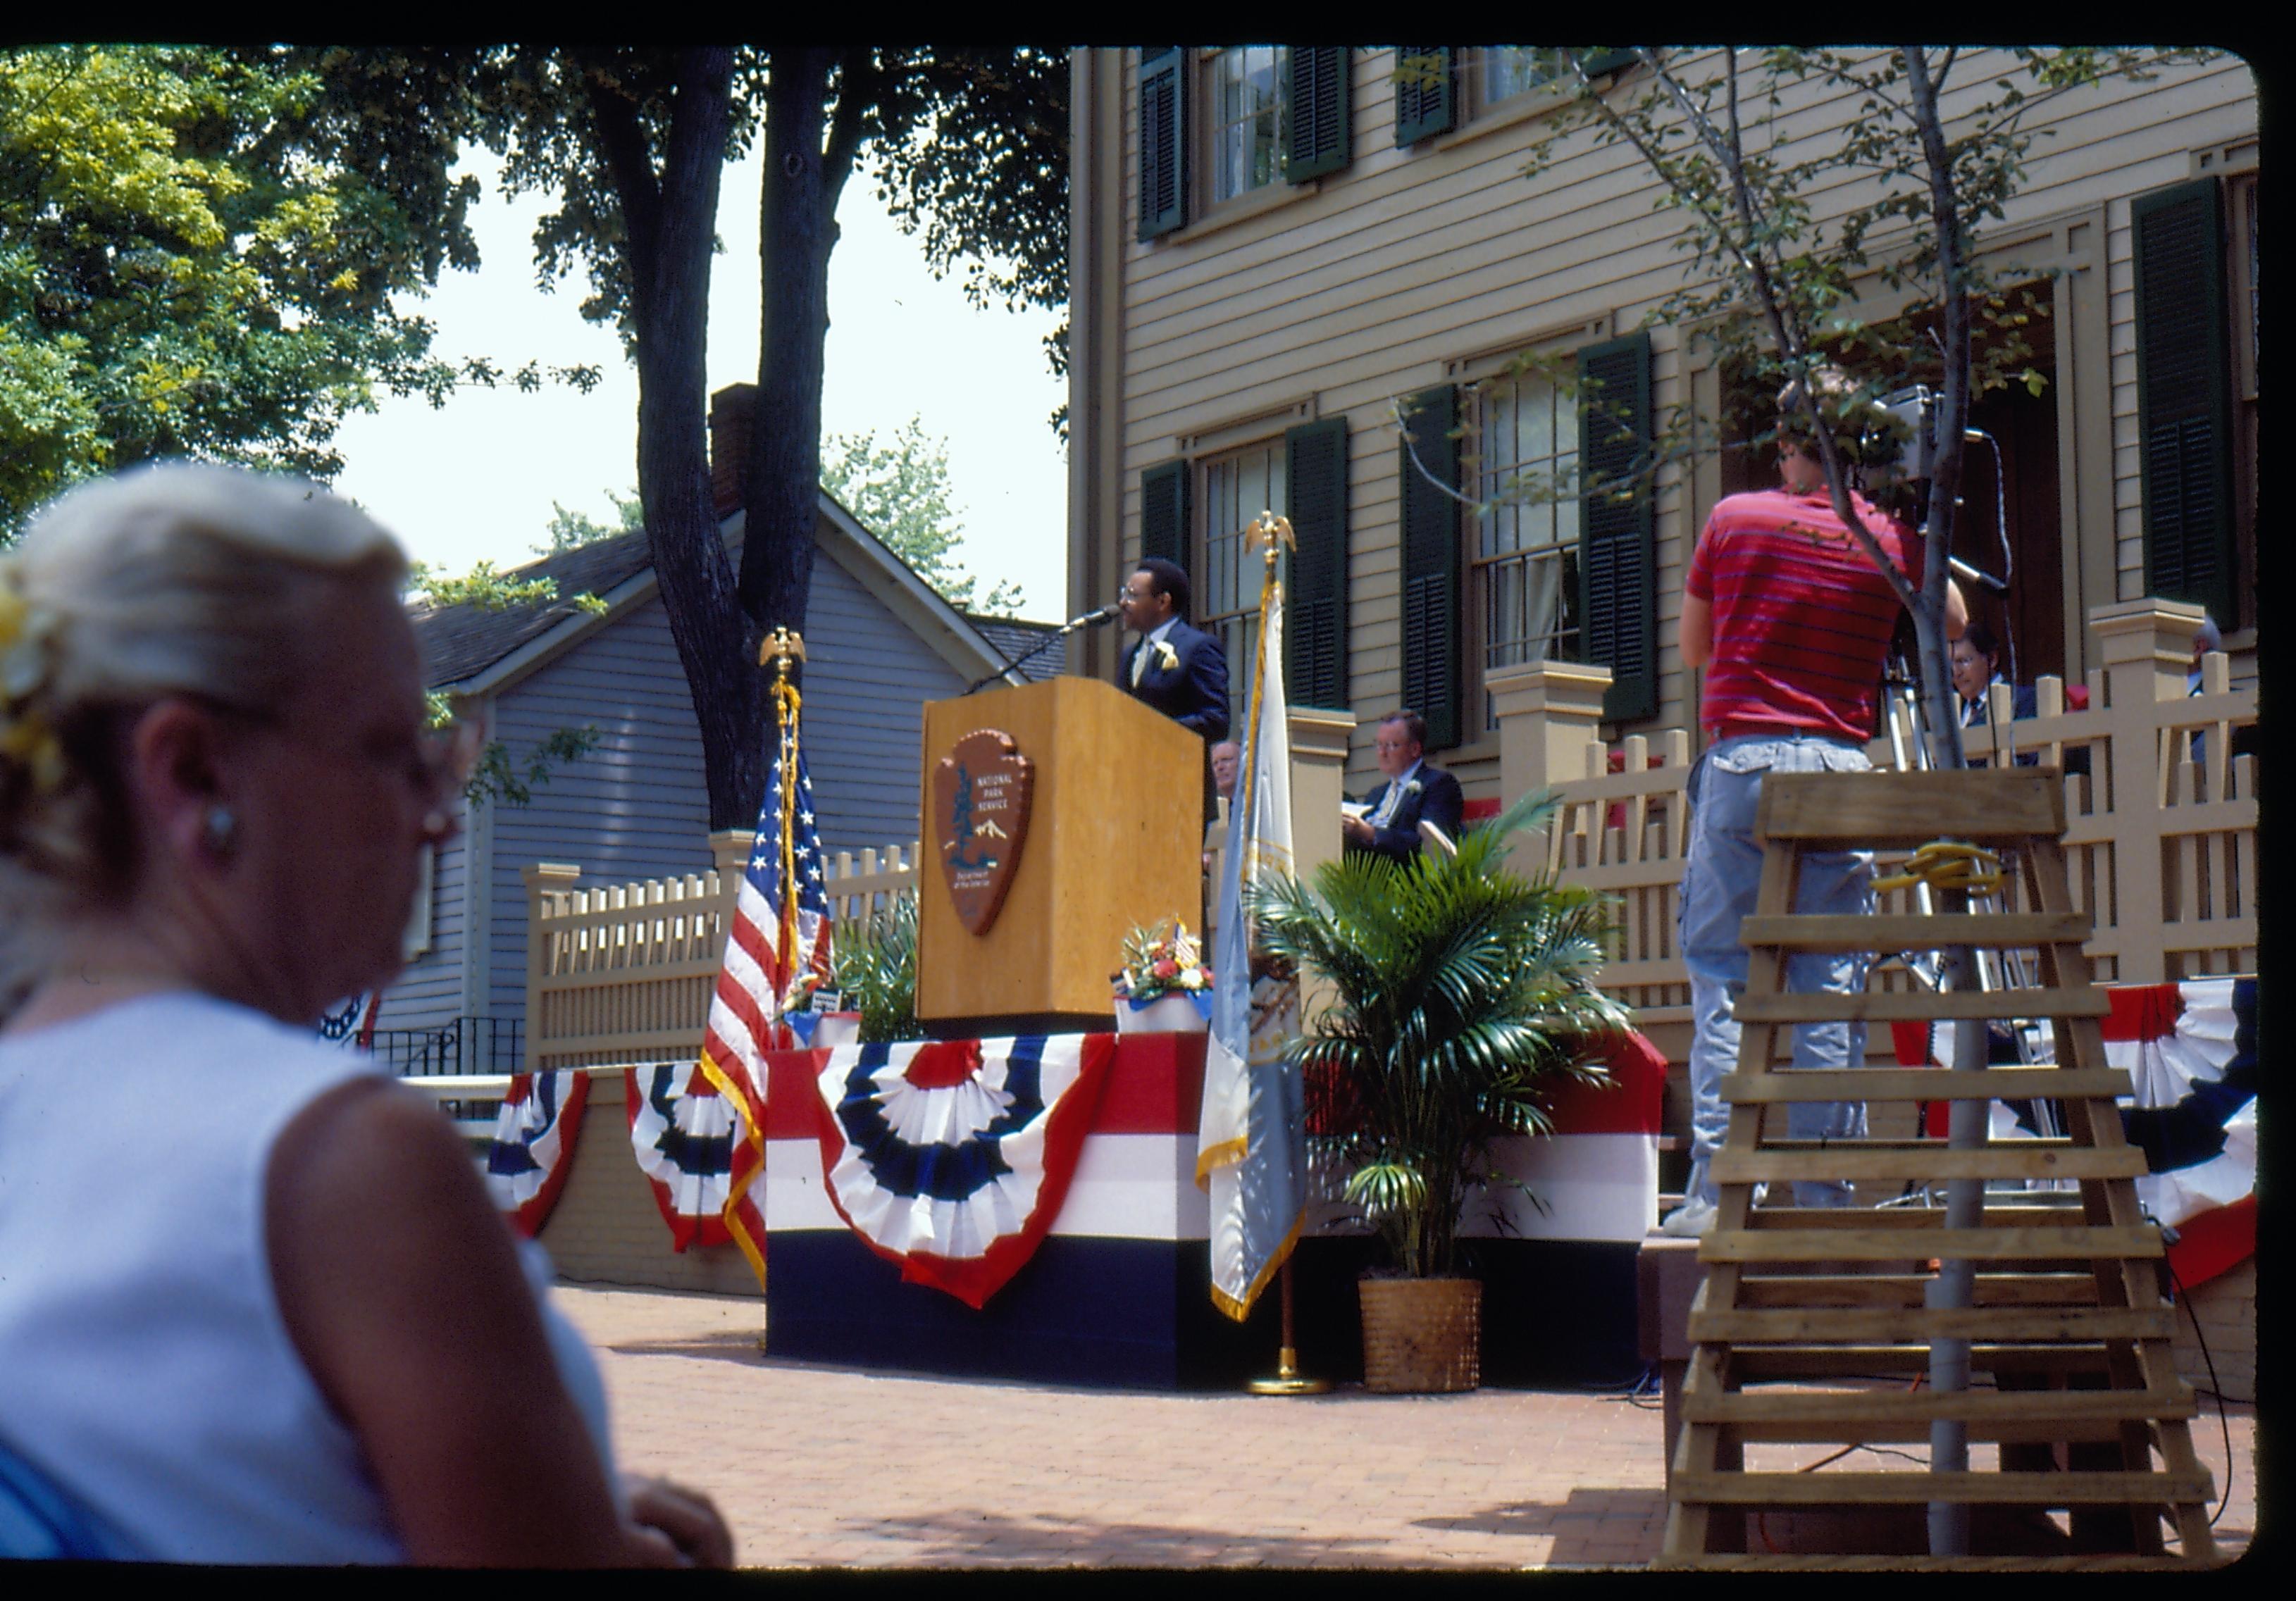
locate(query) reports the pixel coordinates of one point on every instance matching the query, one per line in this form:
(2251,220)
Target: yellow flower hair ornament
(25,632)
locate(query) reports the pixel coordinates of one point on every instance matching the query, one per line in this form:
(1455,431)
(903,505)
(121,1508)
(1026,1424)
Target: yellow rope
(786,706)
(1946,864)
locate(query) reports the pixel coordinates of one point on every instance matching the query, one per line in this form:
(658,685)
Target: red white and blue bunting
(951,1158)
(684,1132)
(352,1024)
(533,1147)
(2190,1051)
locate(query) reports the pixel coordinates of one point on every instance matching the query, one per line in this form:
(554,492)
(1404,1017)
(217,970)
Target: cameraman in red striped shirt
(1791,621)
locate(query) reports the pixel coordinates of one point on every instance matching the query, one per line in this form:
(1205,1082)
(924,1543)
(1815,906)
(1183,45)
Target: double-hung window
(1238,486)
(1526,537)
(1500,72)
(1440,87)
(1523,582)
(1251,101)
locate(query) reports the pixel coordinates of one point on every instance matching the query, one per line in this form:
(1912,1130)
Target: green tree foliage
(980,180)
(970,145)
(202,253)
(494,776)
(900,492)
(568,530)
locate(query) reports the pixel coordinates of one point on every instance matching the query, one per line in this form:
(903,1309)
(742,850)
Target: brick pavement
(818,1467)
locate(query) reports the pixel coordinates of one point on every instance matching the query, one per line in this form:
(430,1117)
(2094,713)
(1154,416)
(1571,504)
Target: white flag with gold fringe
(1252,1142)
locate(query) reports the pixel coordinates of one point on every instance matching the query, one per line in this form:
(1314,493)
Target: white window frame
(417,940)
(1506,441)
(1216,123)
(1477,62)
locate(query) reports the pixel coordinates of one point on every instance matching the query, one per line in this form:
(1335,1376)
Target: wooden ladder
(1825,1299)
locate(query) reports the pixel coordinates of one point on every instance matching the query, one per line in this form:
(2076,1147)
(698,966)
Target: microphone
(1968,574)
(1092,619)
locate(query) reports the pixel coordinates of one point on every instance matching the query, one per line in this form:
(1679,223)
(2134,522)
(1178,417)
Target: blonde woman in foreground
(255,1305)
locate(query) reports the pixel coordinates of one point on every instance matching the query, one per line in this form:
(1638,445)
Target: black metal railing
(464,1045)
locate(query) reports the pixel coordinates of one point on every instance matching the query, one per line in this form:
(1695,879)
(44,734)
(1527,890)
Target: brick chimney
(731,412)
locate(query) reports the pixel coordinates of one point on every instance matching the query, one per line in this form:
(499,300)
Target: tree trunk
(797,217)
(671,232)
(1953,413)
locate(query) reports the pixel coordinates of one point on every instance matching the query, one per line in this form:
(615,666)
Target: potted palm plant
(1458,991)
(874,966)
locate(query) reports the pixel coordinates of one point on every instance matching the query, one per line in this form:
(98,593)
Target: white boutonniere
(1166,658)
(1413,787)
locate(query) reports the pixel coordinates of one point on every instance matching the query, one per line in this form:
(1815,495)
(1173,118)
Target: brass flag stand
(1288,1379)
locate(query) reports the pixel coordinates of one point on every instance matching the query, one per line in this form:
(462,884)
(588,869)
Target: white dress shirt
(1384,812)
(1154,637)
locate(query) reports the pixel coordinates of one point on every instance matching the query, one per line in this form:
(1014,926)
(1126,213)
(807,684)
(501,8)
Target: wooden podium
(1114,841)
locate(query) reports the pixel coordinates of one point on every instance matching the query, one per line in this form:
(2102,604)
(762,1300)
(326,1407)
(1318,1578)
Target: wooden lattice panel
(2074,1382)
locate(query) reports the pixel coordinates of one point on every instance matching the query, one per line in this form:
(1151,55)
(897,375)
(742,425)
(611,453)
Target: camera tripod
(1909,752)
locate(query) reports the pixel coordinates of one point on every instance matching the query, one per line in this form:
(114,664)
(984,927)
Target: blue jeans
(1722,872)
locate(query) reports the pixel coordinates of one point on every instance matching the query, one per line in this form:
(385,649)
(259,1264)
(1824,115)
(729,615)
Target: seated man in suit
(1177,669)
(1414,792)
(1975,659)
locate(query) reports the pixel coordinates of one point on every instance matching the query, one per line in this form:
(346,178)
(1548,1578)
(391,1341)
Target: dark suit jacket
(1436,799)
(1194,692)
(2023,702)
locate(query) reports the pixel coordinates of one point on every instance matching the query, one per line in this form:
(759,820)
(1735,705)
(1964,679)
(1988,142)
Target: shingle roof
(459,641)
(1014,638)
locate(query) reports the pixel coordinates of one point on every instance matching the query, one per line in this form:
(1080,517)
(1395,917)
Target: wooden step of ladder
(2068,1291)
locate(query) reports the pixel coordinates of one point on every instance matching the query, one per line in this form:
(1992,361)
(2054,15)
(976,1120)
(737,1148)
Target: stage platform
(1118,1294)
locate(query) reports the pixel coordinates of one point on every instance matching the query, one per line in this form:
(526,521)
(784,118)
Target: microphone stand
(1092,619)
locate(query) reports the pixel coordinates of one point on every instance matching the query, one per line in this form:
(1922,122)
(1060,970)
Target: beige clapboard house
(1271,247)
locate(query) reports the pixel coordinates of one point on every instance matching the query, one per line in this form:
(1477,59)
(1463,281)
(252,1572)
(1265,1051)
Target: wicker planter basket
(1422,1336)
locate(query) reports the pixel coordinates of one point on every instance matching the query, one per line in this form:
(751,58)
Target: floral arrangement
(1158,964)
(808,991)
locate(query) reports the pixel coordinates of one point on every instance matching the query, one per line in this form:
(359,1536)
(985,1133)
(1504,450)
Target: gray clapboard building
(879,643)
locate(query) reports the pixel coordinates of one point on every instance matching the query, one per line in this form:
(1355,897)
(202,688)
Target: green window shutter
(1600,62)
(1164,513)
(2184,397)
(1423,108)
(1316,620)
(1321,139)
(1432,603)
(1618,562)
(1163,141)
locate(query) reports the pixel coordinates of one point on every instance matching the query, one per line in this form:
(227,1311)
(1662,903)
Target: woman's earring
(219,832)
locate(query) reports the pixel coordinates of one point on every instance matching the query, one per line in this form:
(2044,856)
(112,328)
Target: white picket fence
(623,972)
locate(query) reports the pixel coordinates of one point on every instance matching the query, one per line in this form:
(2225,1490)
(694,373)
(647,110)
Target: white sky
(475,479)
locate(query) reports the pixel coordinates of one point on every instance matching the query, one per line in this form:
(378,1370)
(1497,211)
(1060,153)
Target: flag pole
(783,647)
(1272,534)
(1288,1380)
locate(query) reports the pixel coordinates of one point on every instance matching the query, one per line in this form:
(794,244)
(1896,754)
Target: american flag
(779,935)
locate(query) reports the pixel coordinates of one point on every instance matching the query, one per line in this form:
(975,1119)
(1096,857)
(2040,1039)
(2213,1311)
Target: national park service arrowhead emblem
(981,818)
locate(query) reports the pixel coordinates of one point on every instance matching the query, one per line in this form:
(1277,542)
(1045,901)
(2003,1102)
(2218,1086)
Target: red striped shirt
(1801,617)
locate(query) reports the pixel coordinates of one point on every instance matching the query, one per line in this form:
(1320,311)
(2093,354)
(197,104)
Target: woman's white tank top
(144,1363)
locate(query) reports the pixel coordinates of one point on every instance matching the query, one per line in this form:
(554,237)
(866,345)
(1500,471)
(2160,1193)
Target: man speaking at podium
(1178,670)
